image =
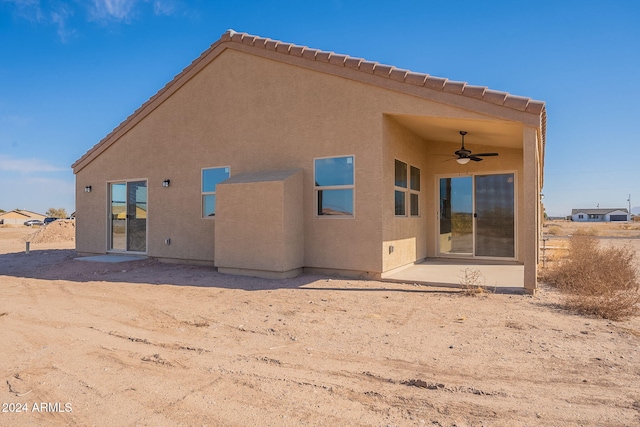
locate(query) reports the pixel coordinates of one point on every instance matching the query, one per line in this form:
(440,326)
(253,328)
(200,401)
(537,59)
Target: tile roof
(419,79)
(444,85)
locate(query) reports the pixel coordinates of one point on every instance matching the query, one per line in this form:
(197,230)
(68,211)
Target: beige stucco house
(19,216)
(267,158)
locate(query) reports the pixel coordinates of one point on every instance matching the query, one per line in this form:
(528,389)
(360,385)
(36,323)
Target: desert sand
(146,343)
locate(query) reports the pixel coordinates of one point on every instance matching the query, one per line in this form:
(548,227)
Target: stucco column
(531,203)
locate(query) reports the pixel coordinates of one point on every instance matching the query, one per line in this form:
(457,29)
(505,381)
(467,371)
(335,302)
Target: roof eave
(500,104)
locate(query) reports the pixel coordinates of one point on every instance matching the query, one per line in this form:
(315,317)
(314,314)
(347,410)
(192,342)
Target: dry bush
(554,230)
(472,283)
(556,250)
(591,231)
(598,281)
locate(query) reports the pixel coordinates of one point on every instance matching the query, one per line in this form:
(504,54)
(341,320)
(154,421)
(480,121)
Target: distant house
(599,215)
(19,216)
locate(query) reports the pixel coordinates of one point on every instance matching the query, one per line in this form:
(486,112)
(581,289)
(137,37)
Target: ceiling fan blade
(475,159)
(486,154)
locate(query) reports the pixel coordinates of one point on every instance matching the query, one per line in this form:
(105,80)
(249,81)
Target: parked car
(48,220)
(33,222)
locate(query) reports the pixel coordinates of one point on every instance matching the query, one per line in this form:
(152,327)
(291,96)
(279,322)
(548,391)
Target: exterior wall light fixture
(166,182)
(87,189)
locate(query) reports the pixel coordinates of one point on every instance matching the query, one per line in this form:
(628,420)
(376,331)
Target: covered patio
(496,276)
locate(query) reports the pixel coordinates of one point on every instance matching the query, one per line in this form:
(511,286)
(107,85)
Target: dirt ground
(145,343)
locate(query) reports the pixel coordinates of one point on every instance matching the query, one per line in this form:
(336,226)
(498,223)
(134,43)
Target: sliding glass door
(495,216)
(456,216)
(128,216)
(477,216)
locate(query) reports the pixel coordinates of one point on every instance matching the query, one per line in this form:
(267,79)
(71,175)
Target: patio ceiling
(479,132)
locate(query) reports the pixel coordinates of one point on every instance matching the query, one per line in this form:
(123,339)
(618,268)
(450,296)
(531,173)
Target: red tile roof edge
(419,79)
(482,93)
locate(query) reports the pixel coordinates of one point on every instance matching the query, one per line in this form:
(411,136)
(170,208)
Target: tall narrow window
(414,177)
(400,193)
(407,189)
(210,178)
(334,186)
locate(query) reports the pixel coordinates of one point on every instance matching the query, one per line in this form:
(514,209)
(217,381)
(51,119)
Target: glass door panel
(456,216)
(495,215)
(128,213)
(137,216)
(118,216)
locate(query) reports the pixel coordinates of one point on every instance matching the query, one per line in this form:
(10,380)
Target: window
(401,188)
(415,191)
(334,186)
(210,178)
(580,216)
(407,184)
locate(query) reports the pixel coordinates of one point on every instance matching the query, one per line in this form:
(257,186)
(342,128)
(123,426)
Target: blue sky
(71,71)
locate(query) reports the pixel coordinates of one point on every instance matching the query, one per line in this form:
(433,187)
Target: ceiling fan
(465,155)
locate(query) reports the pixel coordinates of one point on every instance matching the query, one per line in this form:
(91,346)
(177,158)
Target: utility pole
(629,200)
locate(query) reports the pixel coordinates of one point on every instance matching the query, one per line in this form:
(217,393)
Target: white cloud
(59,18)
(164,7)
(27,9)
(112,10)
(56,15)
(59,13)
(11,164)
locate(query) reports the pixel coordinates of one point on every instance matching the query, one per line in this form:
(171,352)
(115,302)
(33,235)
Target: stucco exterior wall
(405,238)
(414,238)
(251,113)
(259,225)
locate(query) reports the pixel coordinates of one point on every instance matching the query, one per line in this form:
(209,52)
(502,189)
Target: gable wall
(250,114)
(255,114)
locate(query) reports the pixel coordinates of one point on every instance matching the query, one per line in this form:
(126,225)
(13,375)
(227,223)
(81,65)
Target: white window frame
(317,188)
(516,222)
(209,193)
(109,219)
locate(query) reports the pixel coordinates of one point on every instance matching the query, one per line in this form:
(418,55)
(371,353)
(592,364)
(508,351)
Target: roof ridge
(400,75)
(483,93)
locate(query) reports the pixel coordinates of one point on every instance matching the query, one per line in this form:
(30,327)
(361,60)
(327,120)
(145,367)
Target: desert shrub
(472,282)
(591,231)
(554,230)
(597,281)
(557,251)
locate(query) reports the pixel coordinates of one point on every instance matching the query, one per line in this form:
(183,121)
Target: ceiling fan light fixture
(465,155)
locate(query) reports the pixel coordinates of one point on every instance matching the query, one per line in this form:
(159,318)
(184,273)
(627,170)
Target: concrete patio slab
(504,277)
(112,258)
